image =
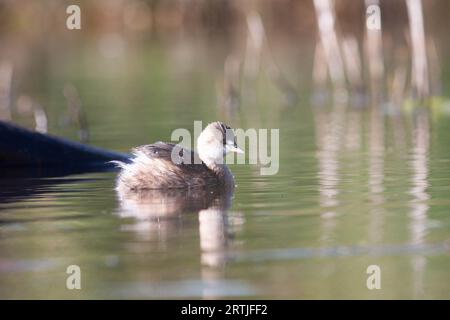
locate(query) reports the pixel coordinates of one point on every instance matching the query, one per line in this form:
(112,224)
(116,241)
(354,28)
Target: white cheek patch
(229,147)
(213,155)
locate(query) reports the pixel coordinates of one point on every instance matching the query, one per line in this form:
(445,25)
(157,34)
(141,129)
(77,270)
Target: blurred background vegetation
(139,55)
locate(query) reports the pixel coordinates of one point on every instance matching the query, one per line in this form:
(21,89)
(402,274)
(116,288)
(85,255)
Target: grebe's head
(215,141)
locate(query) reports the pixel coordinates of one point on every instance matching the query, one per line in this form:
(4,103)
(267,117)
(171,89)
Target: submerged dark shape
(40,154)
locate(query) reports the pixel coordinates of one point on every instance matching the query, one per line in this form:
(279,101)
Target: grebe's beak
(235,149)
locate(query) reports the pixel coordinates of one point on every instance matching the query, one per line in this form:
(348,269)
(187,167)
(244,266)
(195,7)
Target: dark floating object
(25,151)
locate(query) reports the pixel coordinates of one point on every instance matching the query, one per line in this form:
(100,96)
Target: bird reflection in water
(159,212)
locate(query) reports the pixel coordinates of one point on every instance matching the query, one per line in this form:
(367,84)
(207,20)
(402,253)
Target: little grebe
(168,166)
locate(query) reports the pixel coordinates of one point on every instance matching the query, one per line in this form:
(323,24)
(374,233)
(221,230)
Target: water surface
(357,186)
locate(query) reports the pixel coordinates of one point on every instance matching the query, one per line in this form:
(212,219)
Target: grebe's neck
(218,168)
(223,173)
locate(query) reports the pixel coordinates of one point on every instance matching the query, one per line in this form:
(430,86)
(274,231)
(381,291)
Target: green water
(355,187)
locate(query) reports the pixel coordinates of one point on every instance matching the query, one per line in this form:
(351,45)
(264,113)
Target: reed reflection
(376,175)
(419,203)
(329,131)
